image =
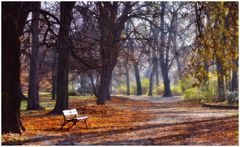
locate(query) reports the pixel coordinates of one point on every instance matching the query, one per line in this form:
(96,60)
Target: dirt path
(173,123)
(168,113)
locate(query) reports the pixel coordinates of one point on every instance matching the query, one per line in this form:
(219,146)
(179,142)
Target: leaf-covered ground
(125,121)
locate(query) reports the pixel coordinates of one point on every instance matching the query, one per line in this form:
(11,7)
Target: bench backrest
(70,112)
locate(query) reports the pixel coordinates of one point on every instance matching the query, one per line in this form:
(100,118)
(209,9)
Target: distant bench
(73,116)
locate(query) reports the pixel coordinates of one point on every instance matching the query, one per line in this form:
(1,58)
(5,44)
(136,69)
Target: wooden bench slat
(81,117)
(70,112)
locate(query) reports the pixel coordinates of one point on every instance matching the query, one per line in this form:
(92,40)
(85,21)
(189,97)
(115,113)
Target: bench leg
(74,123)
(63,124)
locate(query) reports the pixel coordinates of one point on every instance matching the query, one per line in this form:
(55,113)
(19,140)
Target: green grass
(80,97)
(47,103)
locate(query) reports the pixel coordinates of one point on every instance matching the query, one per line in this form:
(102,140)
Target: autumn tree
(217,41)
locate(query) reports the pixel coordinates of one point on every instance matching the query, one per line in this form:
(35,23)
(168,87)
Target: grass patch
(48,104)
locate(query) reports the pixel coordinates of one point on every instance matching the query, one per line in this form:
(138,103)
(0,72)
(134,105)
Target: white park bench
(73,116)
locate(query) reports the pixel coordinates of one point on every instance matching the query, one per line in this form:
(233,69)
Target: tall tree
(154,31)
(154,68)
(164,54)
(33,93)
(232,23)
(13,20)
(138,79)
(111,24)
(63,46)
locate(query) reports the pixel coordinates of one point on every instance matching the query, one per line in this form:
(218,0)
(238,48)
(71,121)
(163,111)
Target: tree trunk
(127,80)
(164,60)
(151,83)
(150,92)
(157,73)
(138,80)
(109,89)
(109,60)
(83,85)
(63,46)
(166,82)
(179,67)
(110,26)
(103,91)
(220,80)
(177,55)
(54,85)
(234,81)
(13,20)
(54,75)
(33,93)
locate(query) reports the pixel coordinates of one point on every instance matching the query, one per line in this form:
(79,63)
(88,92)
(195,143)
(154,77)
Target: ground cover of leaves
(126,122)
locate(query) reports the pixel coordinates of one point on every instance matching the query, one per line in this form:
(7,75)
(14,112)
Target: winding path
(168,112)
(175,123)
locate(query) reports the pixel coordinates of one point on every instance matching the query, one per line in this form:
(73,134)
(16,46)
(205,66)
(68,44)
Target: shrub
(133,89)
(176,89)
(158,89)
(208,93)
(203,93)
(122,89)
(193,94)
(232,97)
(145,86)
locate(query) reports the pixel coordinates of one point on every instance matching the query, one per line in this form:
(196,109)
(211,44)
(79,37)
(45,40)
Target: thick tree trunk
(111,26)
(103,91)
(63,46)
(164,60)
(13,20)
(138,80)
(33,93)
(109,60)
(10,77)
(109,89)
(127,80)
(166,82)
